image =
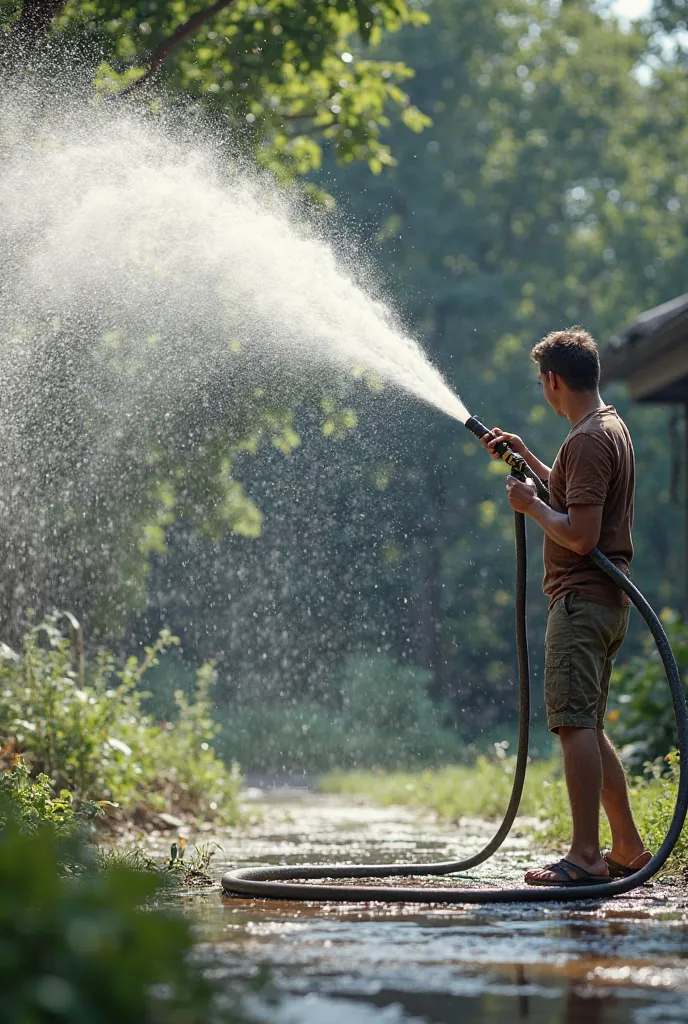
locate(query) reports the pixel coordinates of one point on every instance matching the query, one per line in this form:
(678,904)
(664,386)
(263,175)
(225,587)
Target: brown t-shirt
(595,466)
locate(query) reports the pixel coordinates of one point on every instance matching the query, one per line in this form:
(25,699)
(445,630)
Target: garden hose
(290,883)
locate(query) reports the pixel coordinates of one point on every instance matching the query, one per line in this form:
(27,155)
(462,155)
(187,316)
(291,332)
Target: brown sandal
(617,870)
(569,875)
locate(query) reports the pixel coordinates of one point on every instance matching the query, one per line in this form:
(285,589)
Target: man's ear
(553,380)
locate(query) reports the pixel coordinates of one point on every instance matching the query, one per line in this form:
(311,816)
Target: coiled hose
(288,883)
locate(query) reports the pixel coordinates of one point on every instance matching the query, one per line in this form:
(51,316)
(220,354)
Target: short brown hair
(571,354)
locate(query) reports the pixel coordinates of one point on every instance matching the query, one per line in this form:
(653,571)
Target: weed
(30,802)
(187,865)
(454,791)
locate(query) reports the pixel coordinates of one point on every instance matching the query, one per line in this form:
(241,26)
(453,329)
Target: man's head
(569,364)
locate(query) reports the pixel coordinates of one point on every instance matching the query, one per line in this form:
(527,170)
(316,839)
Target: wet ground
(621,960)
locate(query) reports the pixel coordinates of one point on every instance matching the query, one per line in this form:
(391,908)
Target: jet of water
(101,212)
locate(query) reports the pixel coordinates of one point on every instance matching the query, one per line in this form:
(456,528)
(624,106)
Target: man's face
(551,393)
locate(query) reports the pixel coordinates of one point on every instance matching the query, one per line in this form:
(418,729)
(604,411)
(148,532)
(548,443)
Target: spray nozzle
(517,462)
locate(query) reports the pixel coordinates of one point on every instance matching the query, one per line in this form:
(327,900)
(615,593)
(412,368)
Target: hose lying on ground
(290,883)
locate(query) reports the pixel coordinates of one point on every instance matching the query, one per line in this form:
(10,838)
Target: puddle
(623,960)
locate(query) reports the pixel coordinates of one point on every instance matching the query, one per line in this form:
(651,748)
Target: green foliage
(79,948)
(642,715)
(292,76)
(378,713)
(163,681)
(80,726)
(186,866)
(550,190)
(671,16)
(653,801)
(30,803)
(653,797)
(202,784)
(191,869)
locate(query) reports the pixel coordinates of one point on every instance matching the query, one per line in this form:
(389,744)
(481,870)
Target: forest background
(528,172)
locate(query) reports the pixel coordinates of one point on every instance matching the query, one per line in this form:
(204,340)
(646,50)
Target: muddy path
(621,960)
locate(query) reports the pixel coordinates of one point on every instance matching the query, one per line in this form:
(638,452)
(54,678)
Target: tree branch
(173,42)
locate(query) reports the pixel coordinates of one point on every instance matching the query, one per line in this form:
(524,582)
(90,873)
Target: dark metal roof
(652,354)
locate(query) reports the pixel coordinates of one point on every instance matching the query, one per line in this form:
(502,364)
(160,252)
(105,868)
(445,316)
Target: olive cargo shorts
(581,643)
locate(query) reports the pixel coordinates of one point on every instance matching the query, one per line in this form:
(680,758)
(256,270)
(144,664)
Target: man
(591,488)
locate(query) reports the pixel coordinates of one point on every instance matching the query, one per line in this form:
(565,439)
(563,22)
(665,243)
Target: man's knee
(574,733)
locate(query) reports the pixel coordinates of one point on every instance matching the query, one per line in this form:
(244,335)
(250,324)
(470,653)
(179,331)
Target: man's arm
(518,445)
(578,529)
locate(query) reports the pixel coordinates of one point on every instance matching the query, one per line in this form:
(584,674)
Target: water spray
(292,882)
(150,293)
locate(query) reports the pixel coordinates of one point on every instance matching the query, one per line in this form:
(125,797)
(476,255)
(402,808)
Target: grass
(187,865)
(483,789)
(454,792)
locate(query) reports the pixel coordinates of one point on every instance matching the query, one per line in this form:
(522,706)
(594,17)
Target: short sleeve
(589,469)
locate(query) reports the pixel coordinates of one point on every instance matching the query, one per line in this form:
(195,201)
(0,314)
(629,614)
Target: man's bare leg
(583,771)
(627,846)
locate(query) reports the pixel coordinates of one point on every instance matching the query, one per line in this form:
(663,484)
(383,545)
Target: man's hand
(496,435)
(491,440)
(521,495)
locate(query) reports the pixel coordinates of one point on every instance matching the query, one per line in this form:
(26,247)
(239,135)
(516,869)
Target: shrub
(81,726)
(388,716)
(301,736)
(641,714)
(199,780)
(78,948)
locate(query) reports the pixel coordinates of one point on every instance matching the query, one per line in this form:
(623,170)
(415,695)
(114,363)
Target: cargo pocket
(557,681)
